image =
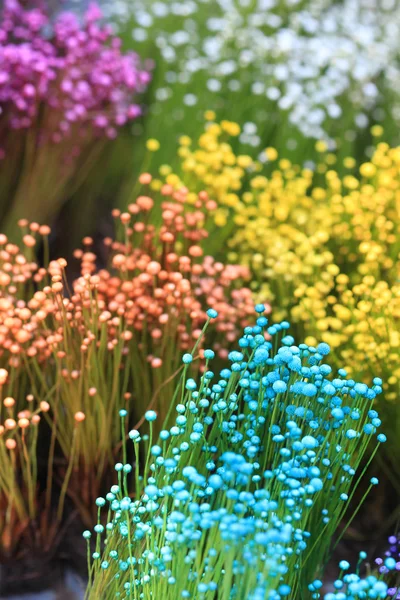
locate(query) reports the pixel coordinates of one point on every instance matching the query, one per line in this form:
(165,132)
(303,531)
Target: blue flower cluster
(351,586)
(244,490)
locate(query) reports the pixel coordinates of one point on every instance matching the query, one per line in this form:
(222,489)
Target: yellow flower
(321,146)
(220,218)
(210,115)
(173,180)
(377,130)
(156,185)
(230,127)
(244,161)
(165,170)
(350,182)
(318,193)
(271,153)
(349,162)
(185,140)
(152,145)
(367,170)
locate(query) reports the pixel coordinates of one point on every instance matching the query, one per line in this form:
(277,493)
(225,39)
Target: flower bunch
(304,68)
(27,381)
(94,80)
(20,499)
(103,342)
(322,239)
(362,323)
(244,491)
(158,285)
(65,87)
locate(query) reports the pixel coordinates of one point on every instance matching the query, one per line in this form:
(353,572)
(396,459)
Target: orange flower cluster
(159,281)
(116,333)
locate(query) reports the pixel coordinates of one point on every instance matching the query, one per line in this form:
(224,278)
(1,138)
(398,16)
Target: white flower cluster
(312,60)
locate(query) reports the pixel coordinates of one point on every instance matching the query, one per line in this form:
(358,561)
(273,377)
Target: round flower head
(150,415)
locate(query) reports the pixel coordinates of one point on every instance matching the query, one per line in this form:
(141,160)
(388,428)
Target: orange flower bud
(29,240)
(145,178)
(145,202)
(3,376)
(44,230)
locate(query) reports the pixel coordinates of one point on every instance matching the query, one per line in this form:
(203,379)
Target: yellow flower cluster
(362,324)
(323,244)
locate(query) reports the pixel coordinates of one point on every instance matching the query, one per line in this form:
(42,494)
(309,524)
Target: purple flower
(390,571)
(75,71)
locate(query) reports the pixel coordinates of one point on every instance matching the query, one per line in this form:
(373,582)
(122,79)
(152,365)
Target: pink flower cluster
(75,69)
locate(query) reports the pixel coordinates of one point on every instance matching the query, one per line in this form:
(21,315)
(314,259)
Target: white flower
(308,59)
